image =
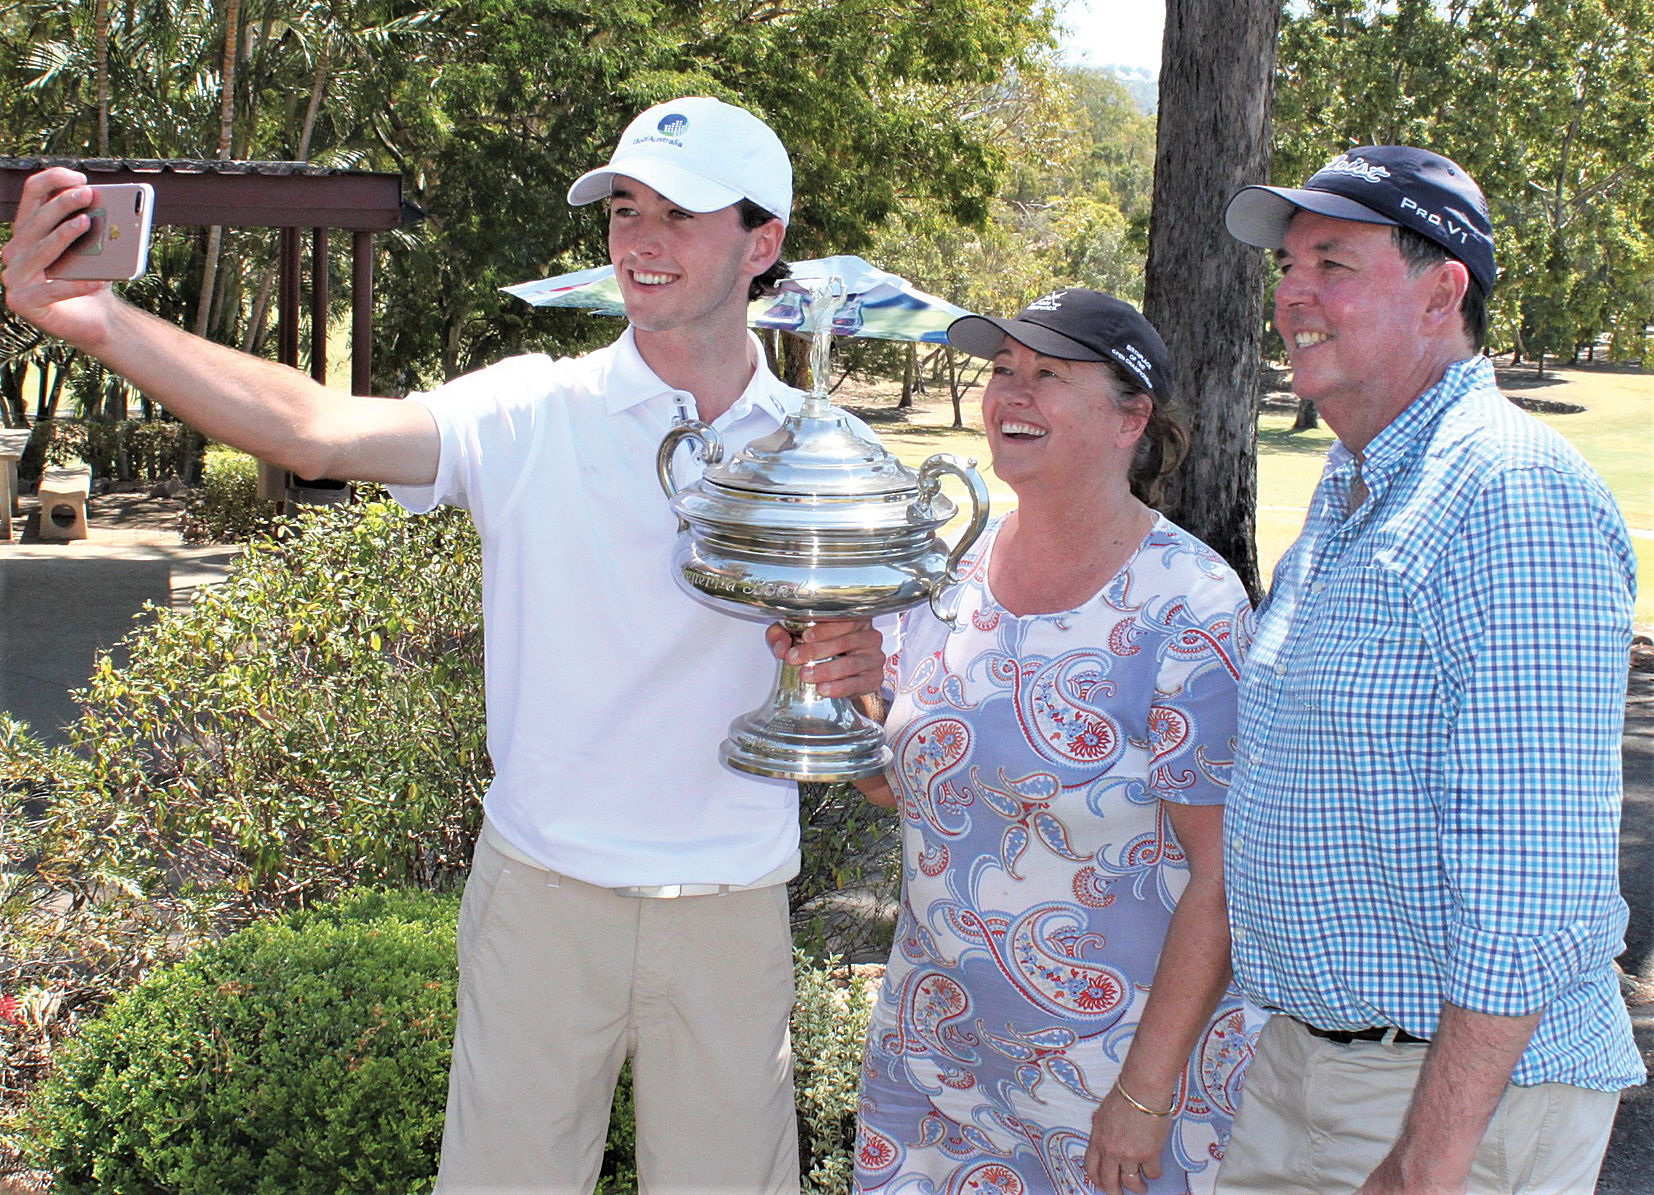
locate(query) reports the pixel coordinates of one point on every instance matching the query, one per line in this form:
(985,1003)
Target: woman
(1056,1014)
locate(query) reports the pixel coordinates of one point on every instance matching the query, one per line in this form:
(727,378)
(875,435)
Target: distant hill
(1140,81)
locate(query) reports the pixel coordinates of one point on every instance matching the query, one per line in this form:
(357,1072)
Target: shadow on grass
(1524,377)
(1291,443)
(933,432)
(892,415)
(891,422)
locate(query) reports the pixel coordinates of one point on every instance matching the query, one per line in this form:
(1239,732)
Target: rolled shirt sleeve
(1541,590)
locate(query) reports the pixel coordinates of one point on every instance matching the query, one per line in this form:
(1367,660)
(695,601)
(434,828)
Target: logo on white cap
(1356,168)
(702,154)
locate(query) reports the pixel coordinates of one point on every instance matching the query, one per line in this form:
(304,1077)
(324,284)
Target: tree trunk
(50,393)
(953,390)
(253,335)
(908,360)
(100,35)
(1308,417)
(1203,289)
(226,127)
(795,361)
(16,409)
(318,87)
(1540,361)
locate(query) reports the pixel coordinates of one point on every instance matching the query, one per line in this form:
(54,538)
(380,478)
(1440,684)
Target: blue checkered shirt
(1426,796)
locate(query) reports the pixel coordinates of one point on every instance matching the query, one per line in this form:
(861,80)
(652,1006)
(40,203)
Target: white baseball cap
(702,154)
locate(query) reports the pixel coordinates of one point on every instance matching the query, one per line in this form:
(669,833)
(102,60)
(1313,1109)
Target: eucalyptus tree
(1072,207)
(1204,289)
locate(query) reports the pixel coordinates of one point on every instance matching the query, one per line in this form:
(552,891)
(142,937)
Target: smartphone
(116,247)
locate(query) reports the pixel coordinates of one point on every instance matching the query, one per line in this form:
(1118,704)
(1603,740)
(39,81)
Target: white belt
(668,891)
(651,891)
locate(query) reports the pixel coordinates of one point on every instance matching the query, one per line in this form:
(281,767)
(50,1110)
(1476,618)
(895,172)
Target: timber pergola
(290,196)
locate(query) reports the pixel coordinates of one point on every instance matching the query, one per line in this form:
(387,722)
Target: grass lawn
(1615,433)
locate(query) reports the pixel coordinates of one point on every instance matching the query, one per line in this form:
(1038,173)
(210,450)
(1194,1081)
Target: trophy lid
(816,452)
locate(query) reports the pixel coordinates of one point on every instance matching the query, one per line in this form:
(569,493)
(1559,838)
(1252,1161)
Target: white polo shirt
(609,688)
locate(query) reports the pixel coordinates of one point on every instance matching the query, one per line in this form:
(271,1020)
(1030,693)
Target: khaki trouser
(561,981)
(1316,1118)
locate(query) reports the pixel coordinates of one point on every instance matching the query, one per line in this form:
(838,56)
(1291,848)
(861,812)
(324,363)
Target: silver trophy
(816,521)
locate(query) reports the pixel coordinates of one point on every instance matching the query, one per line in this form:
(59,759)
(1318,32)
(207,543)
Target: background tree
(488,108)
(1204,290)
(1072,208)
(1547,103)
(547,86)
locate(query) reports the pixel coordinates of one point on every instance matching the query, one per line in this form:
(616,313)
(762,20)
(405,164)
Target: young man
(628,896)
(1422,832)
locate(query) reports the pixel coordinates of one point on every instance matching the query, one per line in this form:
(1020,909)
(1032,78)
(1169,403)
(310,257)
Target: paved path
(63,604)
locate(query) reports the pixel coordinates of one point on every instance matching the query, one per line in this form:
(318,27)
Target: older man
(628,896)
(1422,834)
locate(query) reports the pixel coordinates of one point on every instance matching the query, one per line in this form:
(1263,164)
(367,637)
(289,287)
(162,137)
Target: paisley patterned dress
(1040,872)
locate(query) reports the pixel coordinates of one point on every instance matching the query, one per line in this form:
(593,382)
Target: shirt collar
(631,382)
(1393,443)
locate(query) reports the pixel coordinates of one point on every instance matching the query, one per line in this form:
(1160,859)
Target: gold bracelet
(1143,1108)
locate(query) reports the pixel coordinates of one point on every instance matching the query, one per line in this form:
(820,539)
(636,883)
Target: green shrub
(829,1025)
(618,1174)
(312,724)
(301,1055)
(225,507)
(123,450)
(310,1053)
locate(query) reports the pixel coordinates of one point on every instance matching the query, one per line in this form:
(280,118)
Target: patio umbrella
(877,304)
(595,289)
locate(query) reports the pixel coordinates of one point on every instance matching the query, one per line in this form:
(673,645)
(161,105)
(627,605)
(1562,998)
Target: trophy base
(838,744)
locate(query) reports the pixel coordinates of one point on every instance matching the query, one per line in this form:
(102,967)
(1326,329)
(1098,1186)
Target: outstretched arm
(269,410)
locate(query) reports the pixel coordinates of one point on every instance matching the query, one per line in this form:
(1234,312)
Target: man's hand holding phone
(52,215)
(115,245)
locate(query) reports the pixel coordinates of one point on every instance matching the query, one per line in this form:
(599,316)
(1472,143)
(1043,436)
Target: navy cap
(1379,184)
(1075,325)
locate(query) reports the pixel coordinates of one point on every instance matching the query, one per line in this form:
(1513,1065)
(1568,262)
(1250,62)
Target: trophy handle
(711,450)
(930,484)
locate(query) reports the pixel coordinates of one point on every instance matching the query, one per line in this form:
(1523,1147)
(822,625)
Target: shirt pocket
(1359,650)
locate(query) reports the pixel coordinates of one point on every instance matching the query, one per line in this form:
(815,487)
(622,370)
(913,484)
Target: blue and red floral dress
(1034,756)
